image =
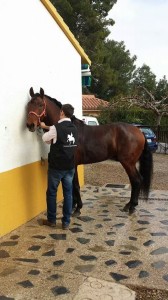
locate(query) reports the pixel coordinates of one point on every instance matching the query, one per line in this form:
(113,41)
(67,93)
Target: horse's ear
(41,92)
(31,92)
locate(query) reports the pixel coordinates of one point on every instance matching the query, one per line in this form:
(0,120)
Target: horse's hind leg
(77,202)
(135,180)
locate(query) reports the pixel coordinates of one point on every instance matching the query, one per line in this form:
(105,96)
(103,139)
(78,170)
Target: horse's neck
(79,124)
(52,113)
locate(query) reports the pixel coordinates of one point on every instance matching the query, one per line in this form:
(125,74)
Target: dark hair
(68,110)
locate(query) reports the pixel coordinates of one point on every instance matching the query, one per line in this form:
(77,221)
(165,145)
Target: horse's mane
(73,119)
(58,103)
(55,101)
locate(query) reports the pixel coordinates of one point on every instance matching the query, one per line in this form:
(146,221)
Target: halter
(41,115)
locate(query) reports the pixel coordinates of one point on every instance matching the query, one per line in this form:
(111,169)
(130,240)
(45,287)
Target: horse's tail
(146,170)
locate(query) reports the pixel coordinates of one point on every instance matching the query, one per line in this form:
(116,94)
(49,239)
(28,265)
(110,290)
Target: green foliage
(145,77)
(164,121)
(87,21)
(150,94)
(112,64)
(113,77)
(161,88)
(132,115)
(113,67)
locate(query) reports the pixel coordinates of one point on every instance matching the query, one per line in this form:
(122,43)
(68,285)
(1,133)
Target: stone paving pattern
(104,251)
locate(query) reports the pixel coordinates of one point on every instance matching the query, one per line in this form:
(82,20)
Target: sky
(143,26)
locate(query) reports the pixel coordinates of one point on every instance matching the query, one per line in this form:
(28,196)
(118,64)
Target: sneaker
(48,223)
(65,226)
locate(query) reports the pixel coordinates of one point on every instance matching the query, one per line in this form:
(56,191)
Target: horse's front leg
(77,202)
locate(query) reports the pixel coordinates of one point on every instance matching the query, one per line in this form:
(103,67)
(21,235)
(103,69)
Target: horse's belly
(93,155)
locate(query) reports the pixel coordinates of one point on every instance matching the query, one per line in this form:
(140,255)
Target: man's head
(67,110)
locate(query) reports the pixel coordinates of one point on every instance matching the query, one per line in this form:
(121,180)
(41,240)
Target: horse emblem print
(70,138)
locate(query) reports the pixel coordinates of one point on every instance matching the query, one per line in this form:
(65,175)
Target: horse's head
(36,109)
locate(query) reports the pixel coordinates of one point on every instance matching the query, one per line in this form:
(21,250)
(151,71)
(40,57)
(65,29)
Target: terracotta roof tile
(92,103)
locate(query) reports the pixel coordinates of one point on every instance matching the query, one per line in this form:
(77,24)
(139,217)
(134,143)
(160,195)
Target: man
(63,139)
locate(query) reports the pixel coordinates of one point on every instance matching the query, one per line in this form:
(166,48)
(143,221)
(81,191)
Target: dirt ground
(113,172)
(99,174)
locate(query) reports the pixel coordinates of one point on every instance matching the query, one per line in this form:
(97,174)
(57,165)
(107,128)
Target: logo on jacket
(70,138)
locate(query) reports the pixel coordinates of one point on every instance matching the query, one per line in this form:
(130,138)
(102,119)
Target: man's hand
(44,126)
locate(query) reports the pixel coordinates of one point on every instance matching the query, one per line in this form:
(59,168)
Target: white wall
(34,52)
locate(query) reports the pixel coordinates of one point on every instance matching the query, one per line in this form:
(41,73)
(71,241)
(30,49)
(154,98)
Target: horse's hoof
(76,213)
(132,210)
(126,207)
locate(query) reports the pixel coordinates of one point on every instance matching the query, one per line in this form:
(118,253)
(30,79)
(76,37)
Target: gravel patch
(99,174)
(146,294)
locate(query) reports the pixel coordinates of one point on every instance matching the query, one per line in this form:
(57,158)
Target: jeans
(54,178)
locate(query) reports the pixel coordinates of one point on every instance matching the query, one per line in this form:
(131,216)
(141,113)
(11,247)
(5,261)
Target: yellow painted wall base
(22,194)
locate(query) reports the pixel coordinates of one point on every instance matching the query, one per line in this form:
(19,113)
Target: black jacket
(61,156)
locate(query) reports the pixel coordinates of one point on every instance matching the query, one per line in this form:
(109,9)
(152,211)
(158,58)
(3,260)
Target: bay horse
(121,142)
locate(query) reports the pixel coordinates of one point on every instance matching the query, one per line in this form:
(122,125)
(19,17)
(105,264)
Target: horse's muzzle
(31,127)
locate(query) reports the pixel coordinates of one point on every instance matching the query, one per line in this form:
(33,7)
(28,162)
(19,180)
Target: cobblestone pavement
(106,254)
